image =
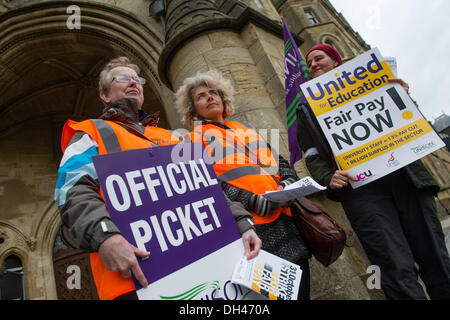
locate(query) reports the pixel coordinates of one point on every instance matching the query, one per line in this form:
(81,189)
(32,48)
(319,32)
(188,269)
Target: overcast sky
(417,33)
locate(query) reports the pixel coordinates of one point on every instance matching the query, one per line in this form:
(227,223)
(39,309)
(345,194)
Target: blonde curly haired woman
(245,164)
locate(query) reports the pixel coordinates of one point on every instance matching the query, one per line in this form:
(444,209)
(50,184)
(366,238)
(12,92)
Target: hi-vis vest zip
(241,158)
(113,137)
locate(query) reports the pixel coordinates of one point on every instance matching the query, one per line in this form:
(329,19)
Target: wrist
(104,230)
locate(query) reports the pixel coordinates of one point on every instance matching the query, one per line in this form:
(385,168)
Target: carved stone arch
(39,250)
(66,62)
(15,243)
(48,74)
(47,231)
(337,43)
(44,231)
(34,249)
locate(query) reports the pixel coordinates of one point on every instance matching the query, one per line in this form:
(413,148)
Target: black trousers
(397,225)
(305,283)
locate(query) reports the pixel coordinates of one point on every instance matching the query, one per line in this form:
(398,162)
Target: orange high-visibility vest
(241,158)
(112,137)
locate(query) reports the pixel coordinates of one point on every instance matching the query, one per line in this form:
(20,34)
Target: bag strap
(308,205)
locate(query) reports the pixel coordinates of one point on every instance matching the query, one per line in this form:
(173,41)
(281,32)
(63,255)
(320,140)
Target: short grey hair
(104,82)
(212,79)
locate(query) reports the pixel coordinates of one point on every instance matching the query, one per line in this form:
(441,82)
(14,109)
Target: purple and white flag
(296,73)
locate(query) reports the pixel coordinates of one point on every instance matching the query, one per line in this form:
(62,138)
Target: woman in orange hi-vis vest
(245,164)
(124,125)
(77,193)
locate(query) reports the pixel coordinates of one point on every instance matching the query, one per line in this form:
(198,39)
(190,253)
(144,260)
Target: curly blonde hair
(212,79)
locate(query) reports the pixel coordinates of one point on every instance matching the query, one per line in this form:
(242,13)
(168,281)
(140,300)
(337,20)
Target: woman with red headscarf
(394,216)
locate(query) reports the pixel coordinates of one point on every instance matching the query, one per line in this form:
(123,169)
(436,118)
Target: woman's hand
(401,82)
(283,204)
(121,256)
(340,179)
(252,243)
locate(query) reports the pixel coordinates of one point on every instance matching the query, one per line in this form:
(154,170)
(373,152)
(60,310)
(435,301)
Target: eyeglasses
(126,79)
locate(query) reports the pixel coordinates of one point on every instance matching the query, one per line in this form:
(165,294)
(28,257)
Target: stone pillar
(228,40)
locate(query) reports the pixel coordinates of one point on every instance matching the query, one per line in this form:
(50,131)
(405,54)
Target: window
(311,17)
(12,279)
(258,4)
(331,43)
(328,42)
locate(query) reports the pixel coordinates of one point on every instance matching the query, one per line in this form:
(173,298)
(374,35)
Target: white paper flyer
(269,275)
(301,188)
(392,63)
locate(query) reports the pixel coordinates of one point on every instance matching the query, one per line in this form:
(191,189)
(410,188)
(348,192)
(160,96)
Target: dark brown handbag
(324,236)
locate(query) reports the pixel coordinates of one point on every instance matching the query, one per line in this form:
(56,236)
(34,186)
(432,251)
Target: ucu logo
(391,159)
(392,162)
(363,176)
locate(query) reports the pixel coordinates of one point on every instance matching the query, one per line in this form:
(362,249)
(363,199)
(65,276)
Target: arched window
(12,279)
(331,43)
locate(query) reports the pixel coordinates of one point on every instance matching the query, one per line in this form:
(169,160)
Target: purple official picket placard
(176,210)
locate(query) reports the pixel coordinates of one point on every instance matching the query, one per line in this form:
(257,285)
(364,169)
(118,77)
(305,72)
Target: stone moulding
(111,24)
(236,23)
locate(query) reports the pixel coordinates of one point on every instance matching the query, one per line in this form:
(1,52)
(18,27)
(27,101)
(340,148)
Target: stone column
(229,38)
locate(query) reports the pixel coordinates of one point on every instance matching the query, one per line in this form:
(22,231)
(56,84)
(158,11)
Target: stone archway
(15,243)
(50,71)
(48,74)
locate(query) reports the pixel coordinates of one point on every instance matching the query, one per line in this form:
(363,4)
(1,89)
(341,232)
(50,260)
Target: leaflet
(301,188)
(392,63)
(269,275)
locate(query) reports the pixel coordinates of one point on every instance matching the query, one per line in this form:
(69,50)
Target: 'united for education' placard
(372,126)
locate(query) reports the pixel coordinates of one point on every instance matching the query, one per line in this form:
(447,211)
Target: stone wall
(29,218)
(439,165)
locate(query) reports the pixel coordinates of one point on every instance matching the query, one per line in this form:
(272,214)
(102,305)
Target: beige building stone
(48,74)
